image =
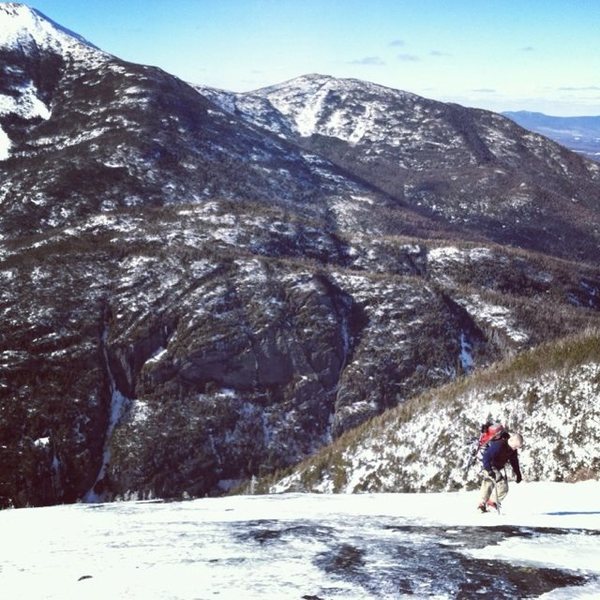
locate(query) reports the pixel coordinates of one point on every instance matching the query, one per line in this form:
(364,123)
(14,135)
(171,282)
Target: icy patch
(465,356)
(569,551)
(118,404)
(117,408)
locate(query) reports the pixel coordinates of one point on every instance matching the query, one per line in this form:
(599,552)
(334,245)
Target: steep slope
(190,298)
(549,394)
(472,168)
(87,184)
(228,353)
(32,49)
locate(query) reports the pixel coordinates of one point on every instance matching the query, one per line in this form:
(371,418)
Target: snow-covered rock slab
(544,544)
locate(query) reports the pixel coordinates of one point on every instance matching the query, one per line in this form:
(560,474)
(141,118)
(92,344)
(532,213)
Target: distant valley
(581,134)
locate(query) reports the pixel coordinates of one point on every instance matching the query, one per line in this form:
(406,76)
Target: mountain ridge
(433,157)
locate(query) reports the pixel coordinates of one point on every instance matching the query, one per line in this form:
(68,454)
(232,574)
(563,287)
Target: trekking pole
(495,492)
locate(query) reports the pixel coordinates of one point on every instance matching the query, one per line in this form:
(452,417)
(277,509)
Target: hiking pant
(489,493)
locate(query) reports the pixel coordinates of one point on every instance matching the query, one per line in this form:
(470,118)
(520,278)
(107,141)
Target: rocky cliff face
(193,294)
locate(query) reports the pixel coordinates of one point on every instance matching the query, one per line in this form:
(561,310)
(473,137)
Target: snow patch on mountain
(5,145)
(494,316)
(445,254)
(24,102)
(308,116)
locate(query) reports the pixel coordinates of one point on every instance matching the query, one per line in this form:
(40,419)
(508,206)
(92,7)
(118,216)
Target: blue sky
(503,55)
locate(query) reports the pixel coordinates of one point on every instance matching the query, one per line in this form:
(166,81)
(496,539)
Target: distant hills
(581,134)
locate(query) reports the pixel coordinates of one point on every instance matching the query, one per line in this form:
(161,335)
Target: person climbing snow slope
(494,486)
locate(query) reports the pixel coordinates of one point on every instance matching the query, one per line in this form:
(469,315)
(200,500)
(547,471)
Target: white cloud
(406,57)
(370,61)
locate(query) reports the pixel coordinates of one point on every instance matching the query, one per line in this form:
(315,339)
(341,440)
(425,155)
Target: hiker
(489,431)
(494,486)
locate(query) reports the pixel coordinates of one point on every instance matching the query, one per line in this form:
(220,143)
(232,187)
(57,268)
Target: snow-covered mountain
(93,119)
(24,34)
(471,168)
(200,287)
(347,109)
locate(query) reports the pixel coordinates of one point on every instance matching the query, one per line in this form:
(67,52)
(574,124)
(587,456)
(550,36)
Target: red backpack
(489,432)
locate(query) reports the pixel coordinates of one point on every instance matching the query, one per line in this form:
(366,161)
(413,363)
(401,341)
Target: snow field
(204,548)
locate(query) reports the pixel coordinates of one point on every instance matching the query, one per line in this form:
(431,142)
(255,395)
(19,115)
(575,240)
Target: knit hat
(515,441)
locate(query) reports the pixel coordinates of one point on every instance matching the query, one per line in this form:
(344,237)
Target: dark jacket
(497,454)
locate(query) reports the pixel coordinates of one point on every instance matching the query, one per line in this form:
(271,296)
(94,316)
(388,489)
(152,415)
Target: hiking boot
(482,508)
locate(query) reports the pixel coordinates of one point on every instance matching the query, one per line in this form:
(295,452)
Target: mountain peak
(29,45)
(314,81)
(329,105)
(25,28)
